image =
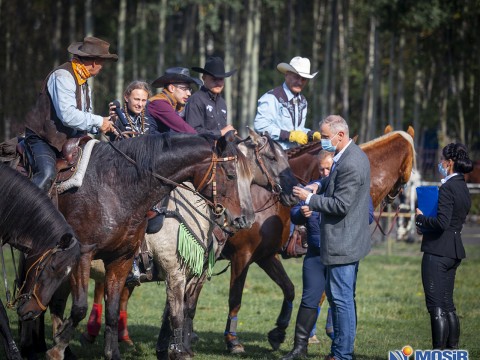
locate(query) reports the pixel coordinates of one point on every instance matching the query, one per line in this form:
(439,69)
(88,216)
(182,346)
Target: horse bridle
(276,187)
(38,266)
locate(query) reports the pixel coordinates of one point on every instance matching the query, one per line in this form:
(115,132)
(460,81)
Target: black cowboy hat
(214,67)
(176,75)
(92,47)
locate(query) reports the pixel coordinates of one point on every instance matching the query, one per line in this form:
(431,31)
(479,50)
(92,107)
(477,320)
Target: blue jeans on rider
(340,289)
(313,276)
(42,159)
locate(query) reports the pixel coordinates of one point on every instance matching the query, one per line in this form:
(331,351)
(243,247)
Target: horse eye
(231,176)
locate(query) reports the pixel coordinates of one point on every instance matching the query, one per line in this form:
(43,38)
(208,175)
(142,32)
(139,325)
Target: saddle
(296,245)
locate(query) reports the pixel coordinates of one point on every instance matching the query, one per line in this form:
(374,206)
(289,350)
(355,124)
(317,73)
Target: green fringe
(192,254)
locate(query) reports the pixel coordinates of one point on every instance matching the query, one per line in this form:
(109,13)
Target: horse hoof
(127,341)
(54,354)
(235,347)
(87,339)
(276,337)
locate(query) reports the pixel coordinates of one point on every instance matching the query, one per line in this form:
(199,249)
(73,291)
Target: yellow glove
(316,136)
(298,136)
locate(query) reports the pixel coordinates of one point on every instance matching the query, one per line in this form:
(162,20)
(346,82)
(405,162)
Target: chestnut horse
(391,157)
(30,222)
(122,182)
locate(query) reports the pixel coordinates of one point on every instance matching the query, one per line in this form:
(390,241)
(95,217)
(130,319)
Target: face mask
(327,144)
(442,170)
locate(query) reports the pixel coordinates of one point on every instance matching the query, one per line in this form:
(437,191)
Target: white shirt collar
(443,181)
(340,153)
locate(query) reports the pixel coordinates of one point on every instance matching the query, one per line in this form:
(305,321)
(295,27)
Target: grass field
(390,304)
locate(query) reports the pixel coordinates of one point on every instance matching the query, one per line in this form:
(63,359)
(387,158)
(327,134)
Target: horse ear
(388,129)
(253,135)
(230,136)
(354,139)
(410,131)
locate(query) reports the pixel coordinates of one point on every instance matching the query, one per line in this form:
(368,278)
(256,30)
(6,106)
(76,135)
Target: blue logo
(407,353)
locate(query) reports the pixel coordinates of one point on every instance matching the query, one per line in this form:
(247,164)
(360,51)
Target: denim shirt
(61,87)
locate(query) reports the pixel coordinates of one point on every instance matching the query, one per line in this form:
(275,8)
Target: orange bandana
(80,71)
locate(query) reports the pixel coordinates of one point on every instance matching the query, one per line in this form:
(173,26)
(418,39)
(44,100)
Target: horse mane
(297,151)
(406,136)
(28,218)
(145,150)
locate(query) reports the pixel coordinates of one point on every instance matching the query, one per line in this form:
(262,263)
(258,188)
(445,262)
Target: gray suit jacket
(344,205)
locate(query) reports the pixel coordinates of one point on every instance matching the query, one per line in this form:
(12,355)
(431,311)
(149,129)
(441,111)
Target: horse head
(227,182)
(45,272)
(392,158)
(269,164)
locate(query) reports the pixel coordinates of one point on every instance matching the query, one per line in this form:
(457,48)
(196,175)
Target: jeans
(340,289)
(42,159)
(438,277)
(313,274)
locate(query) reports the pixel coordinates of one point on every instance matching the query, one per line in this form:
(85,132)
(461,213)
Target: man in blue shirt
(64,110)
(282,112)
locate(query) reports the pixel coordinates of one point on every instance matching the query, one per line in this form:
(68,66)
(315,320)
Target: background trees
(380,62)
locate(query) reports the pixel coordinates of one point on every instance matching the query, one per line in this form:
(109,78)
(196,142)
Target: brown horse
(391,157)
(30,222)
(125,180)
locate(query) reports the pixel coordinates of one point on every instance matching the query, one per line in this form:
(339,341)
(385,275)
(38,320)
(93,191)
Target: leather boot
(439,325)
(453,330)
(306,318)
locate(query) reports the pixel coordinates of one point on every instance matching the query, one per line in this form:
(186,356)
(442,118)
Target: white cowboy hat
(298,65)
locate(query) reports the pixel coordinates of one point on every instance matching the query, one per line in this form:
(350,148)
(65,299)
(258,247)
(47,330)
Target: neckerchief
(80,71)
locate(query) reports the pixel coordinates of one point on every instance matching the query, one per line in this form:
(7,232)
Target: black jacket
(444,235)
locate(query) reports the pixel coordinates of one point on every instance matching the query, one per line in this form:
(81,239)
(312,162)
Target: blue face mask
(327,144)
(442,170)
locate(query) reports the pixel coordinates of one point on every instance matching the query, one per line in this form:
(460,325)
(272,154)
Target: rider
(64,109)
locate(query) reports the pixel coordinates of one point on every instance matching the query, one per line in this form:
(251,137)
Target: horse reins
(38,265)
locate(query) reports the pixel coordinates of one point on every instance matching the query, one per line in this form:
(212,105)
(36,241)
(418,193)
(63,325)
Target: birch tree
(120,76)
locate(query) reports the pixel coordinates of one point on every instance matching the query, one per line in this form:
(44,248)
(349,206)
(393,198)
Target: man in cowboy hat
(64,110)
(167,107)
(282,112)
(206,110)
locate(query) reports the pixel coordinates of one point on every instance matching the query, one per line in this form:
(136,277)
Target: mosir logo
(407,353)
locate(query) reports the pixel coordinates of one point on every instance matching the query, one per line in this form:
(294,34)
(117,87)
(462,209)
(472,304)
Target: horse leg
(57,306)
(275,270)
(123,335)
(115,275)
(95,319)
(175,296)
(238,276)
(11,350)
(164,335)
(79,286)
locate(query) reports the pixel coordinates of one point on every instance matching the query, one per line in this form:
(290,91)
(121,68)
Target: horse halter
(217,208)
(276,187)
(39,266)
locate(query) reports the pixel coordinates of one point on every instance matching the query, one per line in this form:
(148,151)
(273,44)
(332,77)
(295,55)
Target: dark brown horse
(125,180)
(30,222)
(391,157)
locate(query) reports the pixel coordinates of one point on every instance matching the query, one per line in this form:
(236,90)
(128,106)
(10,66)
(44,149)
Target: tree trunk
(344,55)
(333,62)
(58,33)
(368,83)
(400,100)
(327,59)
(162,23)
(246,75)
(72,22)
(391,79)
(253,93)
(120,76)
(318,21)
(201,35)
(89,32)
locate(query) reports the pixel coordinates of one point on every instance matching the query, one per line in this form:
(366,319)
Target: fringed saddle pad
(193,254)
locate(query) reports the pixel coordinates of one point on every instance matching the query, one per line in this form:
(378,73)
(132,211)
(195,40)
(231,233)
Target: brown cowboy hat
(214,67)
(92,47)
(176,75)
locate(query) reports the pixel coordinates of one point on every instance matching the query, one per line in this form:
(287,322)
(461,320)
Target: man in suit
(342,198)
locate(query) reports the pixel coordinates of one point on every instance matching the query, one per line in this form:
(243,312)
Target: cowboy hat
(298,65)
(176,75)
(92,47)
(214,67)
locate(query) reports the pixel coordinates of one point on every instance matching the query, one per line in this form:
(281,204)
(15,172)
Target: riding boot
(306,317)
(439,325)
(453,330)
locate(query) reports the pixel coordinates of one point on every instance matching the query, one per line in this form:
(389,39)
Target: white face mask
(442,170)
(327,144)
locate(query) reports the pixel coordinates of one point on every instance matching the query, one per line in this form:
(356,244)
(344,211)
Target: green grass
(390,303)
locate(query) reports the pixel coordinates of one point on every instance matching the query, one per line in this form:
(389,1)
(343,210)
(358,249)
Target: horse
(122,183)
(30,222)
(392,157)
(270,168)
